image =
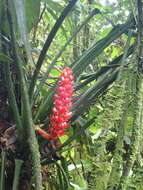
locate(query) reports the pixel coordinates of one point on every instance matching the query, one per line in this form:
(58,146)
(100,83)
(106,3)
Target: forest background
(101,41)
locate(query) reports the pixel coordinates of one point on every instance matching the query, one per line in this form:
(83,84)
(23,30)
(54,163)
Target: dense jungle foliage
(101,41)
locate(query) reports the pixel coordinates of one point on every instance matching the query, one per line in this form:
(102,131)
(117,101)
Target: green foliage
(102,149)
(32,10)
(5,58)
(112,105)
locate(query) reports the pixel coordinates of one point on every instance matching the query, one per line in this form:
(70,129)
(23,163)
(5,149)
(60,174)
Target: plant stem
(31,138)
(135,138)
(18,164)
(118,155)
(12,100)
(138,105)
(123,62)
(65,178)
(2,170)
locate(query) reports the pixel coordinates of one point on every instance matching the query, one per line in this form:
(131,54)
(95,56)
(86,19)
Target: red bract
(62,105)
(43,133)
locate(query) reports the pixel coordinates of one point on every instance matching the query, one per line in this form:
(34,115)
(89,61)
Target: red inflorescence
(62,105)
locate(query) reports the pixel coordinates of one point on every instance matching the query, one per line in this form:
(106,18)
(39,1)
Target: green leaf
(54,5)
(82,184)
(22,12)
(54,61)
(2,169)
(5,58)
(45,106)
(83,61)
(32,11)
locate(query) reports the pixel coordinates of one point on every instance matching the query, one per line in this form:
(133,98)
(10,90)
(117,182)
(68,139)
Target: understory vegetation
(71,94)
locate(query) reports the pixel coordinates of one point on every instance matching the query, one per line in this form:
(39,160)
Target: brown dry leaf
(9,138)
(3,127)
